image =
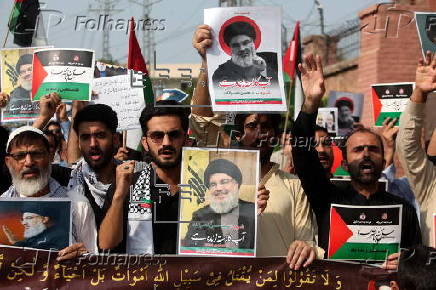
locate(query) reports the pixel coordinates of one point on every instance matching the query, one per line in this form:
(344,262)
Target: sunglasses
(158,136)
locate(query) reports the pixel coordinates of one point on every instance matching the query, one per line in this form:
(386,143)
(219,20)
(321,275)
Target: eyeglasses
(158,136)
(222,182)
(35,155)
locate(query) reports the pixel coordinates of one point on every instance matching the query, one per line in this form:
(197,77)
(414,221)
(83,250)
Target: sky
(175,21)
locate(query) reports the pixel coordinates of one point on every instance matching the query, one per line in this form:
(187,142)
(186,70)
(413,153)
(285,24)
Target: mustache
(166,148)
(32,169)
(323,155)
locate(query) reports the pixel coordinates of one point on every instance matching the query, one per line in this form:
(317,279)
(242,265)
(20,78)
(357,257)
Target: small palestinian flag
(389,100)
(369,233)
(68,72)
(22,21)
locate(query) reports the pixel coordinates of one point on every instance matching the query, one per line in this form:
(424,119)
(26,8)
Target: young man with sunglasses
(144,219)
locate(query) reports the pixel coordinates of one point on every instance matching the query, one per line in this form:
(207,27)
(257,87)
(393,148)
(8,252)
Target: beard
(225,206)
(166,164)
(27,85)
(243,58)
(356,168)
(34,230)
(29,187)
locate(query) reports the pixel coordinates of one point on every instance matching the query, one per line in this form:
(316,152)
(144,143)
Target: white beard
(30,187)
(225,206)
(243,61)
(26,85)
(34,230)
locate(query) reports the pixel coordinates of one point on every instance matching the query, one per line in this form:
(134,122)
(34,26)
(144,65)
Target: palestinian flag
(291,59)
(364,232)
(136,62)
(68,72)
(22,21)
(389,100)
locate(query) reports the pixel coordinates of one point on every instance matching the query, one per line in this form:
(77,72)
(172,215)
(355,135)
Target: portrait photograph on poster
(244,61)
(42,223)
(350,106)
(16,81)
(328,118)
(219,217)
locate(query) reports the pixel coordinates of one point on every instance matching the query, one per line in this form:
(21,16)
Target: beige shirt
(287,217)
(419,170)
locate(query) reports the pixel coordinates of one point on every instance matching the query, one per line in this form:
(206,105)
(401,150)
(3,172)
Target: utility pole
(106,6)
(321,15)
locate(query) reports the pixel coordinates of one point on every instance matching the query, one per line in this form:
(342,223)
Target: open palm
(312,78)
(426,74)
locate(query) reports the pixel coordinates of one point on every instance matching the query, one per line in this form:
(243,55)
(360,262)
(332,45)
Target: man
(20,99)
(223,179)
(420,171)
(28,161)
(40,229)
(345,115)
(286,222)
(363,159)
(245,63)
(144,220)
(5,178)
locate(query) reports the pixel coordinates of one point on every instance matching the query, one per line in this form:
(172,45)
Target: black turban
(222,166)
(238,28)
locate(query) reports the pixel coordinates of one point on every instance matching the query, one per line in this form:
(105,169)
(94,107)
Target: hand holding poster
(42,223)
(68,72)
(244,61)
(390,100)
(16,81)
(117,93)
(364,232)
(221,209)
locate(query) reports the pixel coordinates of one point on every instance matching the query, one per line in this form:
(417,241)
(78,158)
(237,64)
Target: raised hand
(262,198)
(202,39)
(48,105)
(11,237)
(312,80)
(124,177)
(425,78)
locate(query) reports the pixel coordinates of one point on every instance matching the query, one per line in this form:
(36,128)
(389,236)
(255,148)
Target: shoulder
(202,212)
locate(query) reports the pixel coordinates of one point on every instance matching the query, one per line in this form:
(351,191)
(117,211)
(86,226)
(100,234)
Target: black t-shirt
(164,224)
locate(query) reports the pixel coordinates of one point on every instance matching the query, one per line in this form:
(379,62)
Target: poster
(328,118)
(426,26)
(42,223)
(68,72)
(390,100)
(219,215)
(126,101)
(244,62)
(16,81)
(350,106)
(369,233)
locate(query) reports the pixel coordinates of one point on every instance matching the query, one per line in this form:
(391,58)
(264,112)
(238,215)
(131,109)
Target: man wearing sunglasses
(144,220)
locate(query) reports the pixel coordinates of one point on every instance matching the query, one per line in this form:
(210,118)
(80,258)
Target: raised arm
(307,165)
(202,39)
(47,109)
(419,170)
(111,228)
(73,151)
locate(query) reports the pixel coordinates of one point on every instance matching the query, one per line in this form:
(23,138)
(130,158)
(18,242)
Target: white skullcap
(20,130)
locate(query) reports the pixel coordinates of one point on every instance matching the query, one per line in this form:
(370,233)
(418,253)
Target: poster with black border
(66,71)
(41,223)
(244,62)
(389,100)
(218,216)
(367,233)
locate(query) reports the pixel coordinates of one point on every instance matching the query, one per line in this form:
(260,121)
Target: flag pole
(285,128)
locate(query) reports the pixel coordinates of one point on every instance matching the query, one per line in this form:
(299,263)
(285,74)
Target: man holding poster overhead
(343,215)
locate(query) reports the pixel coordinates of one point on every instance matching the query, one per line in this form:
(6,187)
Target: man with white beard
(40,230)
(223,179)
(28,161)
(245,63)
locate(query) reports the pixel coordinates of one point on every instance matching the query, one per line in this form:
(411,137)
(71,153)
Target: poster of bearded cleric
(244,61)
(218,202)
(42,223)
(16,81)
